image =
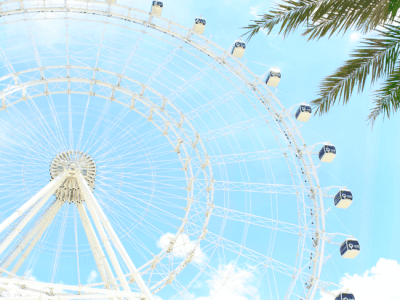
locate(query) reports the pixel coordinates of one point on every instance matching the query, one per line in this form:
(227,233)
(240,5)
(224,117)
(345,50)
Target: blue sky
(366,161)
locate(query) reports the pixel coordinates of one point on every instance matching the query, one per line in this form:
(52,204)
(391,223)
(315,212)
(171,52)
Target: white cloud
(29,275)
(182,247)
(380,282)
(233,283)
(355,36)
(254,11)
(92,277)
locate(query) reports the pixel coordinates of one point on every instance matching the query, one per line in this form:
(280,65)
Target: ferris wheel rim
(320,253)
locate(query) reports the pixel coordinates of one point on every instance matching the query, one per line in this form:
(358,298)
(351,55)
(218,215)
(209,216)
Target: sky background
(366,160)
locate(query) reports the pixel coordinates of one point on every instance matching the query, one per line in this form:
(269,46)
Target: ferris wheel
(140,160)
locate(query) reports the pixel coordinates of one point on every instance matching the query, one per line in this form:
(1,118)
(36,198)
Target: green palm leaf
(324,17)
(378,57)
(388,97)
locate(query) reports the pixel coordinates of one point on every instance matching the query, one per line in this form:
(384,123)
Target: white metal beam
(92,202)
(81,182)
(17,230)
(46,222)
(49,188)
(35,232)
(99,256)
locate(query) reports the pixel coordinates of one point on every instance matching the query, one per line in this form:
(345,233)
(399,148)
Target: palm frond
(323,17)
(394,6)
(292,14)
(388,97)
(360,15)
(377,58)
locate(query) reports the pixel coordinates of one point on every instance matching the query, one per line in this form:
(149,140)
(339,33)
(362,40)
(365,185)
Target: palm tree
(376,58)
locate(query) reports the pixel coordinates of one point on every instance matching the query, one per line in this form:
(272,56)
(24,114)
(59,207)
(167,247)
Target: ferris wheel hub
(75,162)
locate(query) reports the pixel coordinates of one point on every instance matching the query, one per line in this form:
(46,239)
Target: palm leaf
(292,14)
(394,6)
(323,17)
(360,15)
(377,58)
(388,97)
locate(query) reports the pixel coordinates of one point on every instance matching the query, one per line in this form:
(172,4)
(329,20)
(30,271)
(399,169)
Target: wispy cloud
(233,283)
(92,277)
(380,282)
(182,246)
(254,11)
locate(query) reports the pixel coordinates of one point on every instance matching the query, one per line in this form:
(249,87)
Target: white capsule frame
(156,8)
(343,199)
(273,78)
(345,296)
(327,153)
(303,113)
(350,248)
(199,25)
(238,49)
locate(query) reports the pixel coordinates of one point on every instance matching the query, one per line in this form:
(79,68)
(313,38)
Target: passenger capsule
(273,77)
(238,49)
(199,25)
(345,296)
(156,8)
(350,248)
(303,113)
(343,199)
(327,153)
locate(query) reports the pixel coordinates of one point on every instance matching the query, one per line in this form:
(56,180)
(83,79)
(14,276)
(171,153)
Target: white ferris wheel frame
(280,117)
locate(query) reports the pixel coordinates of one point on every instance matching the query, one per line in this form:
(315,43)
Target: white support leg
(101,260)
(103,235)
(49,188)
(46,219)
(17,230)
(91,201)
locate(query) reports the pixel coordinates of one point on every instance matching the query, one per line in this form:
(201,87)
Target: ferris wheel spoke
(32,139)
(252,187)
(231,129)
(127,145)
(132,239)
(249,156)
(127,213)
(155,209)
(135,156)
(162,65)
(96,126)
(251,255)
(211,105)
(142,193)
(252,219)
(121,136)
(109,131)
(136,186)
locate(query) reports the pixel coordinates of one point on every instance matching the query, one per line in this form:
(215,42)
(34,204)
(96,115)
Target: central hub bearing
(75,161)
